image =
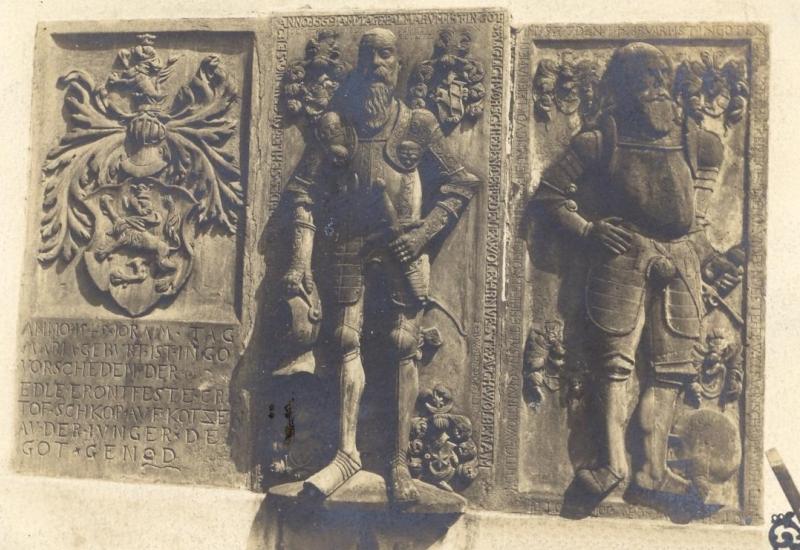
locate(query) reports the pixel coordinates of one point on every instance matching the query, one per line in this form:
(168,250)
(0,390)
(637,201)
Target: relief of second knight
(634,192)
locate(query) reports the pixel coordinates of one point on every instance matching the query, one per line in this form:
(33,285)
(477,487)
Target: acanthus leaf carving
(570,86)
(310,84)
(450,84)
(709,87)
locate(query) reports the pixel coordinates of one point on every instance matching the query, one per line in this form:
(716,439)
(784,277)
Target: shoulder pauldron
(704,151)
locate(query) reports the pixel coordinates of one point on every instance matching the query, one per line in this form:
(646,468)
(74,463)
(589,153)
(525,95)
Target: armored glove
(609,234)
(722,273)
(298,282)
(409,244)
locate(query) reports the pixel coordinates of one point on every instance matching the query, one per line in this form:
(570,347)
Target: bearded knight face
(377,72)
(640,77)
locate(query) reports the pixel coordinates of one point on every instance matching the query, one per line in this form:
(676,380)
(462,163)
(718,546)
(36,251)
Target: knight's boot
(603,479)
(331,477)
(702,487)
(656,412)
(400,486)
(598,481)
(665,481)
(347,460)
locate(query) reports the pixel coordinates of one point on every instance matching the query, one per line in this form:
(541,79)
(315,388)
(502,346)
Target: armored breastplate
(375,174)
(368,196)
(375,190)
(652,188)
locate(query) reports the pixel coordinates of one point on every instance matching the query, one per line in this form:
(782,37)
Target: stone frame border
(756,37)
(256,31)
(485,343)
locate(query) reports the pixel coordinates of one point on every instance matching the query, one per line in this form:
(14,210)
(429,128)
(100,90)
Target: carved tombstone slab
(131,319)
(633,359)
(382,124)
(287,255)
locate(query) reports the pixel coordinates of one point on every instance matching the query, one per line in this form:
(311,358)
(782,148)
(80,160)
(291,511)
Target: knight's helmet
(300,316)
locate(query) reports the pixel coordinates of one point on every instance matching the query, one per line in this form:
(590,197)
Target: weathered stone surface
(383,250)
(677,418)
(231,226)
(127,400)
(131,317)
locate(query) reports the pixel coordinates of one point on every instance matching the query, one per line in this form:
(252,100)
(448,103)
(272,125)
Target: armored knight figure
(634,191)
(361,224)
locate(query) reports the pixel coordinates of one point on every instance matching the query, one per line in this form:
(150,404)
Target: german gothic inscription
(126,399)
(131,331)
(386,178)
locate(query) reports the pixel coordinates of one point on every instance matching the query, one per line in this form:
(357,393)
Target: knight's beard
(660,115)
(376,104)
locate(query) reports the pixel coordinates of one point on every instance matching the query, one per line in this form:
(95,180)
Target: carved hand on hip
(609,234)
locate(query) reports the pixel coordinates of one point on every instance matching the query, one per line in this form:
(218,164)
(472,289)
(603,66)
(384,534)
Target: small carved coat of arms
(138,171)
(451,83)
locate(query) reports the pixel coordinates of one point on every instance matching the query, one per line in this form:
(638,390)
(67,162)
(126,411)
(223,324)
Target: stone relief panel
(634,361)
(379,324)
(136,168)
(284,255)
(130,327)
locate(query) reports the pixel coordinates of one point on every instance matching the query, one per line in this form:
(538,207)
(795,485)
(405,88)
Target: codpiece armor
(642,180)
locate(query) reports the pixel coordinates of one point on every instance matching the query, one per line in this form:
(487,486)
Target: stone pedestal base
(45,513)
(366,492)
(359,516)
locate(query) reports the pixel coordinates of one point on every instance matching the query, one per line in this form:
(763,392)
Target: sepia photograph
(364,277)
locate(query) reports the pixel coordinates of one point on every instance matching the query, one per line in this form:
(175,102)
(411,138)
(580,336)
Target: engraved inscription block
(130,329)
(127,400)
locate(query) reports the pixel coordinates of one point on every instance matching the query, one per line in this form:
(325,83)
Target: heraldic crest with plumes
(139,172)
